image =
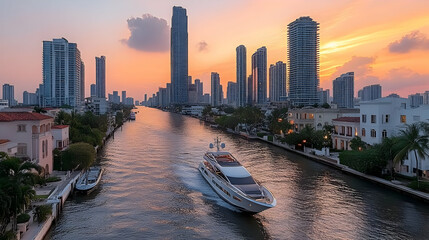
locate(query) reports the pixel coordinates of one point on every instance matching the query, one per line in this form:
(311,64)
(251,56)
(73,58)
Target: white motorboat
(89,179)
(132,116)
(233,183)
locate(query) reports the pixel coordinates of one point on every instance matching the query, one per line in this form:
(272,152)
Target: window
(363,132)
(21,128)
(364,118)
(22,149)
(386,120)
(373,133)
(384,134)
(343,130)
(403,119)
(373,118)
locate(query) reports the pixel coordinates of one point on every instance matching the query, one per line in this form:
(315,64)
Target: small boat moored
(233,183)
(132,116)
(88,181)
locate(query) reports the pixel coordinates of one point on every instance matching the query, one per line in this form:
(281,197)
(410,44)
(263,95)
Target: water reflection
(152,189)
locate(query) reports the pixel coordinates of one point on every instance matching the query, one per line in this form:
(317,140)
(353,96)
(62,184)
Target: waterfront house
(345,129)
(60,133)
(31,132)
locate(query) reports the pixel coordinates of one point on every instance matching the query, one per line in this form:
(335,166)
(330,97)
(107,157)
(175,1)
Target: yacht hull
(87,188)
(230,195)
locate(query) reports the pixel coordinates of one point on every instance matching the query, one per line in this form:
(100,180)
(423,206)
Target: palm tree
(16,181)
(410,140)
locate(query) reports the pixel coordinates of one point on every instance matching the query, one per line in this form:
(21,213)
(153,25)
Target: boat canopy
(236,172)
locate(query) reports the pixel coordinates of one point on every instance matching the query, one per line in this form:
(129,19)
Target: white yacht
(233,183)
(89,179)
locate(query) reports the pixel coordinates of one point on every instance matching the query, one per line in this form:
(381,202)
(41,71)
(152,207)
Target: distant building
(9,94)
(129,101)
(250,90)
(82,81)
(277,81)
(415,100)
(343,90)
(426,98)
(124,97)
(231,93)
(345,129)
(206,98)
(29,99)
(179,56)
(216,92)
(93,90)
(259,74)
(369,93)
(200,90)
(323,96)
(241,72)
(192,94)
(303,61)
(4,104)
(100,76)
(60,134)
(96,105)
(62,74)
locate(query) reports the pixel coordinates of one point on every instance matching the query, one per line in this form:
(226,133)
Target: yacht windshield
(241,181)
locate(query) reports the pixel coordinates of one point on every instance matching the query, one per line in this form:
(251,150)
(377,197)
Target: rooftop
(22,116)
(4,141)
(60,126)
(347,119)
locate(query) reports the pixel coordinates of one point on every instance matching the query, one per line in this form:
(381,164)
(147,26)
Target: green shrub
(53,179)
(22,218)
(423,186)
(270,138)
(260,134)
(367,161)
(42,212)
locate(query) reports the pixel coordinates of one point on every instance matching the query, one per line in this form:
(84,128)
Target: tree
(357,144)
(410,140)
(326,105)
(79,155)
(17,179)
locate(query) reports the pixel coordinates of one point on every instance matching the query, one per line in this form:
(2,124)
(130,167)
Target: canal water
(152,190)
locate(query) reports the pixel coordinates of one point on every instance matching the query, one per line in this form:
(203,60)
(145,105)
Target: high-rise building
(192,94)
(259,73)
(93,90)
(169,93)
(415,100)
(9,94)
(29,99)
(216,90)
(343,90)
(61,73)
(179,56)
(231,93)
(277,81)
(303,61)
(199,86)
(369,93)
(241,72)
(250,90)
(124,97)
(100,76)
(323,96)
(426,98)
(82,81)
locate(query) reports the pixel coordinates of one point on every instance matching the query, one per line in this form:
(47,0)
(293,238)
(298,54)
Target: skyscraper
(303,61)
(277,81)
(216,90)
(241,72)
(100,76)
(370,92)
(199,86)
(93,90)
(29,99)
(250,90)
(82,81)
(179,56)
(259,73)
(61,73)
(124,97)
(9,94)
(343,90)
(231,93)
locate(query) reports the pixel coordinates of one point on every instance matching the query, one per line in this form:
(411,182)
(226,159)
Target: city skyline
(384,48)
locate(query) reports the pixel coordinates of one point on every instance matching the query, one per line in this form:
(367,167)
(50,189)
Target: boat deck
(223,158)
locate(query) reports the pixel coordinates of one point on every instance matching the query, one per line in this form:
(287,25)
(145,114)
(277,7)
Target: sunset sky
(385,42)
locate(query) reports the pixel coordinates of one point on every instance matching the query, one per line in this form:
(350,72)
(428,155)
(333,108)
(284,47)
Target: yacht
(89,179)
(233,183)
(132,115)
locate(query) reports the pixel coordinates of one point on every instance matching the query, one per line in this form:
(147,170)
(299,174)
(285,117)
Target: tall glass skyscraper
(179,56)
(259,73)
(100,76)
(9,94)
(277,81)
(241,76)
(61,73)
(216,90)
(343,90)
(303,61)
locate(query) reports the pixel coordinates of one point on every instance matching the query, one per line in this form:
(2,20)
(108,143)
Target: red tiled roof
(22,116)
(4,141)
(60,126)
(347,119)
